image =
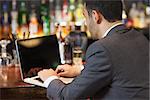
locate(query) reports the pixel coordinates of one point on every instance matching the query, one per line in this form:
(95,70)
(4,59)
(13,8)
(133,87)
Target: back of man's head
(110,9)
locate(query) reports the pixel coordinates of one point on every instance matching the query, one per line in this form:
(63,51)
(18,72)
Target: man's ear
(97,17)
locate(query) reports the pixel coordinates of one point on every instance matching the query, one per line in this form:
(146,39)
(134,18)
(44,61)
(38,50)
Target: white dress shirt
(105,34)
(51,78)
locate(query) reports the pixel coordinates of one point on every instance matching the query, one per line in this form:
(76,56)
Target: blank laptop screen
(38,53)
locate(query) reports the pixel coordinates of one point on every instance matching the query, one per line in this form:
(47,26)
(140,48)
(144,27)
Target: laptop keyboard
(39,79)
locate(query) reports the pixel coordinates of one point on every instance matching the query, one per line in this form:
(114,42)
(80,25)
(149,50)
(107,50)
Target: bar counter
(23,93)
(13,88)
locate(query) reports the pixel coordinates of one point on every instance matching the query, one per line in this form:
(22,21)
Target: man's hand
(67,70)
(33,71)
(46,73)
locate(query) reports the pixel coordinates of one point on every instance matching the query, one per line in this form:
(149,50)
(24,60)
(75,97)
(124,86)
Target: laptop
(35,54)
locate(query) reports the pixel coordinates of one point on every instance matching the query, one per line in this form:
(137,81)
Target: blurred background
(26,19)
(33,18)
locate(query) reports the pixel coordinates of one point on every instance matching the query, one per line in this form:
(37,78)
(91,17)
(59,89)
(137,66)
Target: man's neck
(106,26)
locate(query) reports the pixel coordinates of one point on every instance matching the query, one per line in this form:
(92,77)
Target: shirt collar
(105,34)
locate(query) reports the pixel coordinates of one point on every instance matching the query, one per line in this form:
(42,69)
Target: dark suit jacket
(116,68)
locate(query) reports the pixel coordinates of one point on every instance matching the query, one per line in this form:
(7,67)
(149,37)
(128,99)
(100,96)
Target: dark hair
(110,9)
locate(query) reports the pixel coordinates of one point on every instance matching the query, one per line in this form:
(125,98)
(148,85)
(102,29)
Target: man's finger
(57,69)
(63,73)
(44,69)
(39,73)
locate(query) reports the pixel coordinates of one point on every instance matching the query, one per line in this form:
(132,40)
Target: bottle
(65,11)
(72,15)
(22,20)
(58,15)
(65,48)
(124,16)
(68,52)
(133,14)
(133,11)
(43,9)
(142,21)
(14,18)
(33,24)
(64,31)
(61,43)
(71,10)
(148,15)
(45,20)
(52,16)
(79,12)
(22,13)
(6,29)
(46,25)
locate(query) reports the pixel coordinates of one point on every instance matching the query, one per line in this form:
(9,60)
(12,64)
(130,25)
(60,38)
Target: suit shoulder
(95,47)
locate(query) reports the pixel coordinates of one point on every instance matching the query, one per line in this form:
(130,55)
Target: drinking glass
(5,60)
(77,56)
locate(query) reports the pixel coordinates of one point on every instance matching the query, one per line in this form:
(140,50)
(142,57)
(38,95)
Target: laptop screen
(36,54)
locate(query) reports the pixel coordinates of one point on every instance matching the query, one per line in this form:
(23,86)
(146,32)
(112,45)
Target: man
(116,65)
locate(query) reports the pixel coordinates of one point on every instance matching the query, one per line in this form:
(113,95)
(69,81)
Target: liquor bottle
(6,30)
(22,13)
(33,24)
(148,15)
(65,48)
(79,12)
(58,16)
(133,14)
(124,16)
(52,16)
(46,25)
(45,20)
(68,52)
(142,15)
(72,15)
(142,21)
(22,19)
(71,10)
(64,31)
(61,43)
(65,11)
(14,17)
(43,9)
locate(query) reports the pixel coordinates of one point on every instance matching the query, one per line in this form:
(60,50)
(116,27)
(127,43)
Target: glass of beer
(77,56)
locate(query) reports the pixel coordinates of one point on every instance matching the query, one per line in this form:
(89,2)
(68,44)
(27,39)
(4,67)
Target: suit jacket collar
(118,29)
